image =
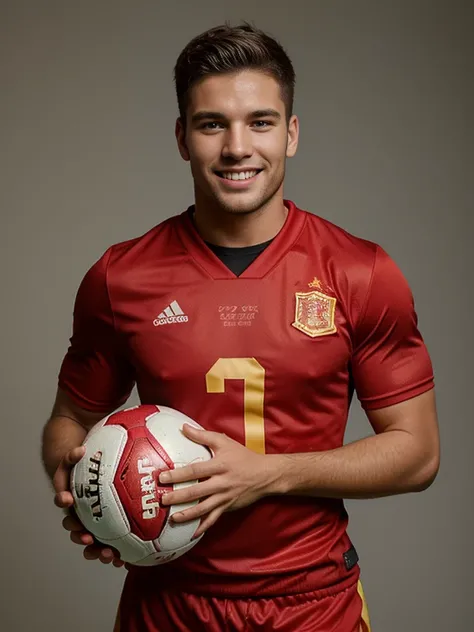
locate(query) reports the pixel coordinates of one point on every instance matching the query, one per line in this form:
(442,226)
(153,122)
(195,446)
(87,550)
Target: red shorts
(170,611)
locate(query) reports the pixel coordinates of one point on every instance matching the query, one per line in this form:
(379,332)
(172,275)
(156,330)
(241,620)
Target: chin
(240,209)
(243,204)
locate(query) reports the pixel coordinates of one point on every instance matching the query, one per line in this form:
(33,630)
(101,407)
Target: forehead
(234,94)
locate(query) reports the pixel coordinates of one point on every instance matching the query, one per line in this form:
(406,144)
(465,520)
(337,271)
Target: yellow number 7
(253,374)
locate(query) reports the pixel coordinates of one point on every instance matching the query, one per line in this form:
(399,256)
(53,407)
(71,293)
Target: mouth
(238,179)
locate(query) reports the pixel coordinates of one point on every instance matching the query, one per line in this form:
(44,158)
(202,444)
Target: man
(287,316)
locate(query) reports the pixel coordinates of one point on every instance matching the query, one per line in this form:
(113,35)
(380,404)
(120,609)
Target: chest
(297,332)
(248,357)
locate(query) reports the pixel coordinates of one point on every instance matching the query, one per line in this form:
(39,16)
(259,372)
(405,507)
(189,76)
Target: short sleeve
(95,371)
(390,362)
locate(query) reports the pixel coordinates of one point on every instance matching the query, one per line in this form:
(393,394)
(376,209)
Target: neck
(237,230)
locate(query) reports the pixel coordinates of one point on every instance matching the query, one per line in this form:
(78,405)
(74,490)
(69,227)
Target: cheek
(272,148)
(204,150)
(198,166)
(201,162)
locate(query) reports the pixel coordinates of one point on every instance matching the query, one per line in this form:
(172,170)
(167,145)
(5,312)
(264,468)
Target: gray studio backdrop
(89,159)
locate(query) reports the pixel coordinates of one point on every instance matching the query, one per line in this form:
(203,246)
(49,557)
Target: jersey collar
(265,262)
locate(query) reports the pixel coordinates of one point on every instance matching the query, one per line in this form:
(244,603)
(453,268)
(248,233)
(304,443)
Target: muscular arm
(403,456)
(66,429)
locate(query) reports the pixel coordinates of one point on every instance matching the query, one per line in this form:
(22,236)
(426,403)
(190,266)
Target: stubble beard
(252,207)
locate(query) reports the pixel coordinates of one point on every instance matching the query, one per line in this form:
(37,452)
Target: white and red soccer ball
(116,486)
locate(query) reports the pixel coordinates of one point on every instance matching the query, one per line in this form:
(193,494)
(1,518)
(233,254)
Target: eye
(262,124)
(211,125)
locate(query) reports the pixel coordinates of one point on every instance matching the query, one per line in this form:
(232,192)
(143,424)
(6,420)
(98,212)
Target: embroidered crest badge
(314,313)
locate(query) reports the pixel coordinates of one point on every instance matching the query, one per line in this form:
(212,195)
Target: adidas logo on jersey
(172,314)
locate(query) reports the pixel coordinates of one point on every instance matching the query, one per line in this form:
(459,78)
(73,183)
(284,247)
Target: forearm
(381,465)
(60,435)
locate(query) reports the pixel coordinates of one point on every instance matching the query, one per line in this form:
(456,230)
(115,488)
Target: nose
(238,143)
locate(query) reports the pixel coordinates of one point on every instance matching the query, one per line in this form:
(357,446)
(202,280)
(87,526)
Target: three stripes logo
(172,314)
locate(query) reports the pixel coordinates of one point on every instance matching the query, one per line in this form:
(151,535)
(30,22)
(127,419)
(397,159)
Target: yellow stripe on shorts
(365,619)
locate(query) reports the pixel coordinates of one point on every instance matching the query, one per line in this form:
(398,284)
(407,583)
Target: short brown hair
(226,49)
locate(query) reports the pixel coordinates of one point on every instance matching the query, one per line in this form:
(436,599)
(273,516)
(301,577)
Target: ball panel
(96,502)
(162,557)
(131,548)
(173,535)
(138,487)
(166,428)
(132,417)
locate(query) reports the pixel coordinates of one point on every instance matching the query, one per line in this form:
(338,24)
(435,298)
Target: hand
(234,478)
(64,499)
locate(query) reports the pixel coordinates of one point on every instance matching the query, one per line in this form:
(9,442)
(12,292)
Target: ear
(293,135)
(180,134)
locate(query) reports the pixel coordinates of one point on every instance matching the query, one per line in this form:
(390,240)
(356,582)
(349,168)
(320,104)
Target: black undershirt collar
(238,259)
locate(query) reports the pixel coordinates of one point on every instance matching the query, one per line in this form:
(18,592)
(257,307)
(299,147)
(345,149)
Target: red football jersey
(271,358)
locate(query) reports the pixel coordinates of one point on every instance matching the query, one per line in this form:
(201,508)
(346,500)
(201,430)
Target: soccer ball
(116,486)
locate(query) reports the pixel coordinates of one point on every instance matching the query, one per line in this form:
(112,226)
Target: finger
(201,509)
(203,437)
(116,556)
(62,474)
(106,557)
(78,534)
(72,524)
(92,552)
(64,499)
(191,493)
(118,563)
(98,552)
(191,472)
(81,537)
(207,522)
(74,456)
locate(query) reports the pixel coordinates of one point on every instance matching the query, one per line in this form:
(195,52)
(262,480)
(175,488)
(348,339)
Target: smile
(237,176)
(237,180)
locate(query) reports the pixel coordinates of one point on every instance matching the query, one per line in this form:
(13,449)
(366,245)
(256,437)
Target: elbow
(427,474)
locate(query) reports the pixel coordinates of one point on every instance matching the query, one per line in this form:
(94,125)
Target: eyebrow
(205,114)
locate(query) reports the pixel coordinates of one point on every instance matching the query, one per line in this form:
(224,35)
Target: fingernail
(165,477)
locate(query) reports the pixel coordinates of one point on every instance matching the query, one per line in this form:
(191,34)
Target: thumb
(63,472)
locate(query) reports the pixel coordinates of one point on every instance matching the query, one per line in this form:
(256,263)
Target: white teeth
(242,175)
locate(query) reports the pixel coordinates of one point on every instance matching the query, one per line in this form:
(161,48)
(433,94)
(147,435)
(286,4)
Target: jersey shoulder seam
(106,279)
(365,304)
